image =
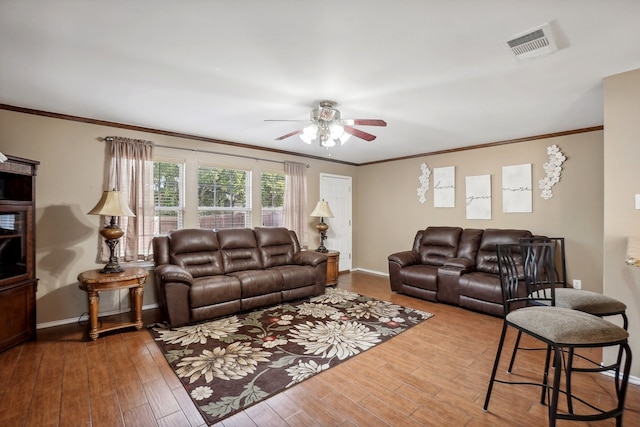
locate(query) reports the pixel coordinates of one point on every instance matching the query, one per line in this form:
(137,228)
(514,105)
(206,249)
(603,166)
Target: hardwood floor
(435,374)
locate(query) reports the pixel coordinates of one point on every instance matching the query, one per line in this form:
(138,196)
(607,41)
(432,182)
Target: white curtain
(131,172)
(295,199)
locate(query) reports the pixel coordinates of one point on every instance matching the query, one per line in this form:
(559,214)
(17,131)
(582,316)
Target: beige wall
(69,183)
(388,191)
(386,210)
(621,184)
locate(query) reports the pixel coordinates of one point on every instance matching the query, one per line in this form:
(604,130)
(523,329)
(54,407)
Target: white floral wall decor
(424,183)
(553,168)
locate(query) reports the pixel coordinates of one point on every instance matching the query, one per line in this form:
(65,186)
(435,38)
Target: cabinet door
(16,244)
(17,313)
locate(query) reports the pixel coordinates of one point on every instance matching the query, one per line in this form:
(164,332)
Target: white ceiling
(436,71)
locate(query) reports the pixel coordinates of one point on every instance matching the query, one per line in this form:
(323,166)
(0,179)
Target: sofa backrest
(470,243)
(439,243)
(487,258)
(276,245)
(239,250)
(195,250)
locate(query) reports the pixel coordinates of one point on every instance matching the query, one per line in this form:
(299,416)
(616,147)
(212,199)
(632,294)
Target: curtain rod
(110,138)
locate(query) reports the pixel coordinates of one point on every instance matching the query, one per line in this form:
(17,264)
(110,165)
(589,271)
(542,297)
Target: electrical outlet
(577,284)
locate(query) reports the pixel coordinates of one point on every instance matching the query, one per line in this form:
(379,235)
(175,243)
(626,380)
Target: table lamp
(322,211)
(111,204)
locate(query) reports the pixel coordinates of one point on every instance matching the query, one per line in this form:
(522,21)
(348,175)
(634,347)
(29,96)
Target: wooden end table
(93,282)
(333,262)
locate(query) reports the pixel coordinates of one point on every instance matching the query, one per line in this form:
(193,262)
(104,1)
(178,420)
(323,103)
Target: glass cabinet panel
(14,256)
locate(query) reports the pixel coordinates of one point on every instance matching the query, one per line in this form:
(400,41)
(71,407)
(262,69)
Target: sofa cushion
(196,251)
(296,276)
(482,286)
(211,290)
(239,250)
(470,243)
(438,244)
(275,245)
(420,276)
(258,282)
(487,258)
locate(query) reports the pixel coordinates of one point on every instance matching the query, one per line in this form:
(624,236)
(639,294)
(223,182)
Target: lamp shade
(322,210)
(111,204)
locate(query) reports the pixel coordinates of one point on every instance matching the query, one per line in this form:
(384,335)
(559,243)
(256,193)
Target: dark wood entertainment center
(18,282)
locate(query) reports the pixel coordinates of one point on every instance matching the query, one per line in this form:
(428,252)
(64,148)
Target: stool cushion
(564,326)
(589,302)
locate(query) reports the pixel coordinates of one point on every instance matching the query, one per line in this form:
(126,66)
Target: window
(224,198)
(167,196)
(272,191)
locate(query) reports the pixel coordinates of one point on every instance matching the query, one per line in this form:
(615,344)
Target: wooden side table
(333,262)
(92,282)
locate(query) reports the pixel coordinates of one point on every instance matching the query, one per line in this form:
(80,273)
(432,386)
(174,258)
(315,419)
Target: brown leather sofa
(455,266)
(204,274)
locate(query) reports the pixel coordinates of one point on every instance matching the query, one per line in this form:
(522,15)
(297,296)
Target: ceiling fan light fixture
(336,131)
(309,133)
(328,143)
(328,129)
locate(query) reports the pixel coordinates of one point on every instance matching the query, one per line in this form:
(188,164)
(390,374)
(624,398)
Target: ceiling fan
(328,128)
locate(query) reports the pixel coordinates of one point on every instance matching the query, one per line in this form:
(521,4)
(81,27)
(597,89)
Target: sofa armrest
(173,273)
(462,264)
(405,258)
(311,258)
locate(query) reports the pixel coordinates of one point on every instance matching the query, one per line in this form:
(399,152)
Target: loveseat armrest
(311,258)
(462,264)
(397,262)
(405,258)
(173,273)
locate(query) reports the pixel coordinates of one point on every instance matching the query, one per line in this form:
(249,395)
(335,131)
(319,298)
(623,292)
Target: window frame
(247,209)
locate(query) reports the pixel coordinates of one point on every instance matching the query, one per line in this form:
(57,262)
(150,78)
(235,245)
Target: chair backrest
(560,269)
(524,274)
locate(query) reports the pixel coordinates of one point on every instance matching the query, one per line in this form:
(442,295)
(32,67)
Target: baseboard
(85,317)
(377,273)
(632,379)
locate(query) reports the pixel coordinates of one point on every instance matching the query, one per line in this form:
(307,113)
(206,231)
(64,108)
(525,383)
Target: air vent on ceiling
(532,44)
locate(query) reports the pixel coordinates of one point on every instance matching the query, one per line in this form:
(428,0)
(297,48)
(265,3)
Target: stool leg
(555,391)
(545,376)
(568,371)
(515,350)
(495,367)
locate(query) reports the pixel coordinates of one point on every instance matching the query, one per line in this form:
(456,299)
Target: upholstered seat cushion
(566,327)
(589,302)
(420,276)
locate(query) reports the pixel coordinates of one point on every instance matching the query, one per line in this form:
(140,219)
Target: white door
(336,190)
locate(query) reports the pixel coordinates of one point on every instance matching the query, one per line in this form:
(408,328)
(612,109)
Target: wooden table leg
(136,304)
(94,305)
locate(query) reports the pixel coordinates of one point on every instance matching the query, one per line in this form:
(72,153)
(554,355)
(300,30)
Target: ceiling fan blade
(360,134)
(295,132)
(369,122)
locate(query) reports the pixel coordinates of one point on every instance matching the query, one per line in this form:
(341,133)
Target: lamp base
(323,236)
(110,268)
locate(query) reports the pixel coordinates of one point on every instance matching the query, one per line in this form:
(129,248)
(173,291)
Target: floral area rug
(231,363)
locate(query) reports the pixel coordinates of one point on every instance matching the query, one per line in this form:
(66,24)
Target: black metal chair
(575,299)
(529,296)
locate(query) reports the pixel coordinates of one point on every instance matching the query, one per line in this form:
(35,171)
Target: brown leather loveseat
(455,266)
(203,274)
